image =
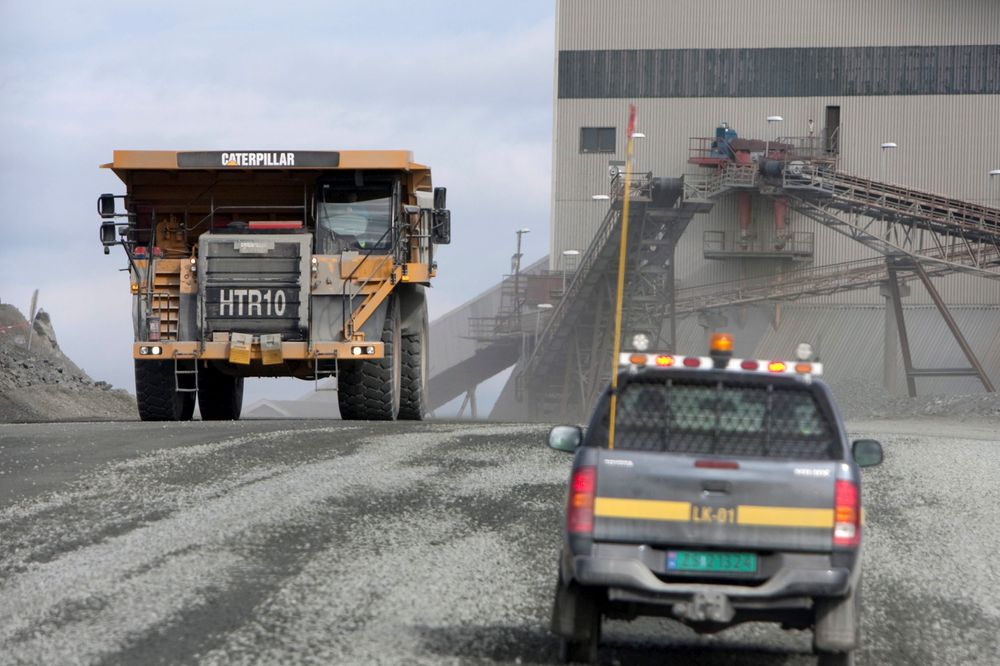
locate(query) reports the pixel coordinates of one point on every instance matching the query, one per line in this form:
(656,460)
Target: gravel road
(433,543)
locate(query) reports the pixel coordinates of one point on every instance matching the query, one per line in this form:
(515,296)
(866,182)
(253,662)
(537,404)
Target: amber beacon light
(721,343)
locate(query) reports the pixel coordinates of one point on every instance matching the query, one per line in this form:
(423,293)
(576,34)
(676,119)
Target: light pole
(566,254)
(772,122)
(886,147)
(637,135)
(517,276)
(542,307)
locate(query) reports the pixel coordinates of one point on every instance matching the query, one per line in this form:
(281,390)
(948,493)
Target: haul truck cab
(304,264)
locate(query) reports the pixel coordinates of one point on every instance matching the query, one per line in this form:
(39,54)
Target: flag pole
(622,251)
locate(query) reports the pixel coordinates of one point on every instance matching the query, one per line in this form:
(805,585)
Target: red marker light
(750,365)
(716,464)
(692,362)
(275,224)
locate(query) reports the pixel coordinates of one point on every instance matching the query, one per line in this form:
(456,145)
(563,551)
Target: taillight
(580,505)
(847,514)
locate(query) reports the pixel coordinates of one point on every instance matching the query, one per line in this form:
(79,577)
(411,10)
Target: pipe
(744,207)
(780,233)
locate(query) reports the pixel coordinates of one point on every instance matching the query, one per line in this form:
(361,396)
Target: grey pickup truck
(720,491)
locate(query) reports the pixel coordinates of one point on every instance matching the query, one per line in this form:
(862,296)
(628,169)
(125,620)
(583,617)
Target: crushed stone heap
(42,384)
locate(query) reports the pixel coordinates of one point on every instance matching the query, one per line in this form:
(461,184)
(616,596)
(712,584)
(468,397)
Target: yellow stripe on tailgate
(746,514)
(638,509)
(783,516)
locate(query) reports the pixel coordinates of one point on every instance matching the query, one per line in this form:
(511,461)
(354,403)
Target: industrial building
(902,96)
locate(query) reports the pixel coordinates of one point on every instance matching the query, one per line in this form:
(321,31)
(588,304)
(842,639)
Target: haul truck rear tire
(220,396)
(156,394)
(413,384)
(369,390)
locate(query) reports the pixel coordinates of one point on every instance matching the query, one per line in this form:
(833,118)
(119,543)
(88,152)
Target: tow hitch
(705,607)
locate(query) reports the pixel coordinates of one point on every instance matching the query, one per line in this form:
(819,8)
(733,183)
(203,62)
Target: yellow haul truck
(304,264)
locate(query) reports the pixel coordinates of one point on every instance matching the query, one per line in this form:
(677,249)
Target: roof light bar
(705,363)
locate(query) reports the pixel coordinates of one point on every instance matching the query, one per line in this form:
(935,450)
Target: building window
(597,139)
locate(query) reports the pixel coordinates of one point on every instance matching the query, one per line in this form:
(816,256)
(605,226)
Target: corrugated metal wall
(947,143)
(692,24)
(758,335)
(933,155)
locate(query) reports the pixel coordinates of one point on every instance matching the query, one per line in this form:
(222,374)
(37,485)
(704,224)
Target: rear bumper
(290,351)
(625,574)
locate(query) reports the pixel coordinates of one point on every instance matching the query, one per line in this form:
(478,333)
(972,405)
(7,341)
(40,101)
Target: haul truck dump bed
(304,264)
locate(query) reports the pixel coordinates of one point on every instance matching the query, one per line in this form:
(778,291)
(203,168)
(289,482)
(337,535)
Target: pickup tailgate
(675,500)
(719,461)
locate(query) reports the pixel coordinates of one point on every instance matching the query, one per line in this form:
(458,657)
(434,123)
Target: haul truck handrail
(211,213)
(355,320)
(425,252)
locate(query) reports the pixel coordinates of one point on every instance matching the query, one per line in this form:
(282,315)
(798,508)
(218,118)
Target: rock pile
(42,384)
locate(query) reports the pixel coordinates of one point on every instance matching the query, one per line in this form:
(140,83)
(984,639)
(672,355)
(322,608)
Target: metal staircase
(570,362)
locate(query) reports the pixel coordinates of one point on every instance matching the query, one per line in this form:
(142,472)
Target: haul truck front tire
(220,396)
(156,394)
(413,384)
(370,390)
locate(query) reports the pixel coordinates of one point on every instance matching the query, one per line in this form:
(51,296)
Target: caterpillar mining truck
(301,264)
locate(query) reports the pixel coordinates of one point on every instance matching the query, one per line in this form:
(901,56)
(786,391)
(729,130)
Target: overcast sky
(466,86)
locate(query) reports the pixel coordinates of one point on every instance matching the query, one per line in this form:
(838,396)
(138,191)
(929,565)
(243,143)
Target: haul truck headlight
(362,351)
(150,351)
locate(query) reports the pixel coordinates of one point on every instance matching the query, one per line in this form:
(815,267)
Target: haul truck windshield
(306,264)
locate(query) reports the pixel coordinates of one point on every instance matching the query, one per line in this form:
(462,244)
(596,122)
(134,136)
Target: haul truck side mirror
(441,227)
(106,206)
(440,195)
(109,235)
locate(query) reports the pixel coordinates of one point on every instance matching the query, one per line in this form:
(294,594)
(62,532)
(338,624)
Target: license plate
(695,560)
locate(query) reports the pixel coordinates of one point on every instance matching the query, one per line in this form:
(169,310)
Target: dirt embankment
(41,384)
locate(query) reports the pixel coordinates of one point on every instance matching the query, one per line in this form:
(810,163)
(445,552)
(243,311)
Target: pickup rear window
(702,416)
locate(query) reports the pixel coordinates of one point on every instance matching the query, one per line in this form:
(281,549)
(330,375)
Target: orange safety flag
(631,122)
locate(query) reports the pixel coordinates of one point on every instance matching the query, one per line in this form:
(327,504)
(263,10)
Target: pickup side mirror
(565,438)
(106,205)
(441,227)
(866,452)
